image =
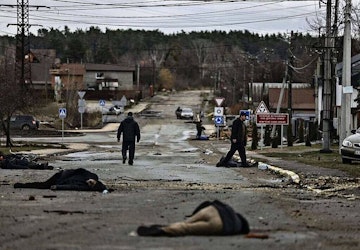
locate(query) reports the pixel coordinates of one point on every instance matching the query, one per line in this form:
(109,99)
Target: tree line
(191,59)
(215,59)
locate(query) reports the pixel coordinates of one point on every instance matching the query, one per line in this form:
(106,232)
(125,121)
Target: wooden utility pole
(326,116)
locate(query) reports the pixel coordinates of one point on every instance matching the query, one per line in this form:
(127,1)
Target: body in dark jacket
(14,161)
(130,130)
(71,179)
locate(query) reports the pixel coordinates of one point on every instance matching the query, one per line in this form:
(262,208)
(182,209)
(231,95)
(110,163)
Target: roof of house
(302,99)
(72,68)
(107,67)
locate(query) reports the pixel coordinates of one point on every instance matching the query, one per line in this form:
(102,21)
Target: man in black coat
(131,131)
(209,218)
(70,179)
(238,140)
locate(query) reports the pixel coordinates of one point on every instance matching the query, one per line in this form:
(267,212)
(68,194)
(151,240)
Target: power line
(70,13)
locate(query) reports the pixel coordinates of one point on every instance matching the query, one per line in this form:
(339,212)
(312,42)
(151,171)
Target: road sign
(81,109)
(62,113)
(81,103)
(247,112)
(219,101)
(272,118)
(262,108)
(102,103)
(218,111)
(219,120)
(121,103)
(81,94)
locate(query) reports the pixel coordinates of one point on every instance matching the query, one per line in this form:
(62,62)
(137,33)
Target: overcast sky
(168,16)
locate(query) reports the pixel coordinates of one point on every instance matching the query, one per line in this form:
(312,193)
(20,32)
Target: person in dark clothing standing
(130,129)
(199,129)
(238,141)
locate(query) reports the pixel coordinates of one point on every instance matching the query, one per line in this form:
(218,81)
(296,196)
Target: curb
(293,176)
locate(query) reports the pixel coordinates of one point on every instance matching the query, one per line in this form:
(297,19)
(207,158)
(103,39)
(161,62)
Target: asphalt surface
(173,174)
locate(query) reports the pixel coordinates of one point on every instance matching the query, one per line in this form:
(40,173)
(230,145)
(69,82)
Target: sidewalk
(74,147)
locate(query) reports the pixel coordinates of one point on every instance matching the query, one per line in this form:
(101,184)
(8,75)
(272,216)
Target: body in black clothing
(238,141)
(71,179)
(13,161)
(130,130)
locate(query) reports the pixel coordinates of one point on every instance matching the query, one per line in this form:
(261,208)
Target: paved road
(172,174)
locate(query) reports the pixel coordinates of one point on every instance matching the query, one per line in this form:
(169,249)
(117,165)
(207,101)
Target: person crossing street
(131,132)
(238,141)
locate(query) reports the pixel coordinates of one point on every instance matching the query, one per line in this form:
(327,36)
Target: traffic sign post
(273,119)
(218,111)
(102,104)
(219,120)
(81,106)
(62,116)
(262,109)
(62,113)
(219,101)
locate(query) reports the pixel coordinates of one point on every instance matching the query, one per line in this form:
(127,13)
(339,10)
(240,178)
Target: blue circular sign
(219,120)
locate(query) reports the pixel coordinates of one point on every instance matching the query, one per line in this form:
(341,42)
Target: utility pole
(345,121)
(252,60)
(290,65)
(326,116)
(23,65)
(266,73)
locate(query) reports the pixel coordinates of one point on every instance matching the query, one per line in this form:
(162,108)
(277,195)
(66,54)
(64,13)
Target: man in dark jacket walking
(238,141)
(130,129)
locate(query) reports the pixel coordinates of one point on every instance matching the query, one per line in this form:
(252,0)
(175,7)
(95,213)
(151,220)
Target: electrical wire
(77,13)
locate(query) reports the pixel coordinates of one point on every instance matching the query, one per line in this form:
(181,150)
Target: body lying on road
(15,161)
(71,179)
(209,218)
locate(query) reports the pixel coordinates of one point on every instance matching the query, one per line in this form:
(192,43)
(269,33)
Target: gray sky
(168,16)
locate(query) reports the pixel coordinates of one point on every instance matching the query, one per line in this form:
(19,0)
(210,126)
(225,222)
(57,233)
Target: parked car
(350,148)
(186,113)
(24,122)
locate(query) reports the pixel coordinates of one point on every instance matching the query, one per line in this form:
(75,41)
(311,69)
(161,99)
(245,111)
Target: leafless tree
(202,48)
(11,96)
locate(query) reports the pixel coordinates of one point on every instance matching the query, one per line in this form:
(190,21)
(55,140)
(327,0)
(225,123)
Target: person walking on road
(238,141)
(131,131)
(199,129)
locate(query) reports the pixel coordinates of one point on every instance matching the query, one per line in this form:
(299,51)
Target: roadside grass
(313,157)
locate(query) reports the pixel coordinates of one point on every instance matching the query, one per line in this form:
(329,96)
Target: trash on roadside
(262,166)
